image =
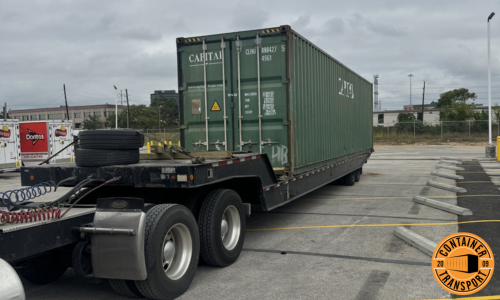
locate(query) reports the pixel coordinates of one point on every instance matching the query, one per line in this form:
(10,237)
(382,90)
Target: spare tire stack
(108,147)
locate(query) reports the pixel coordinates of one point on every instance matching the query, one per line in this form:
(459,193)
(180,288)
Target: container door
(260,74)
(60,138)
(206,74)
(8,145)
(34,142)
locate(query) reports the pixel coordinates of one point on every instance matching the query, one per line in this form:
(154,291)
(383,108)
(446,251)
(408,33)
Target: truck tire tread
(148,287)
(208,248)
(100,157)
(125,288)
(111,139)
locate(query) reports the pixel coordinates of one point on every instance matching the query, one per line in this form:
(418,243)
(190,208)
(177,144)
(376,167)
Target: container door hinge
(182,127)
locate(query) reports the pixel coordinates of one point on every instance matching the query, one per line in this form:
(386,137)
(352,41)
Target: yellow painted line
(422,183)
(377,198)
(471,298)
(374,225)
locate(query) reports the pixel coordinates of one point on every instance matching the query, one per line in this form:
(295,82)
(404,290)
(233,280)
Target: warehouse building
(77,114)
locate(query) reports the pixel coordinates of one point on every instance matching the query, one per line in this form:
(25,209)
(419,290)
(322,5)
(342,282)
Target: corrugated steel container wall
(330,107)
(314,109)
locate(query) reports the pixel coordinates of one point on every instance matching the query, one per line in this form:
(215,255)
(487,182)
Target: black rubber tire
(361,171)
(44,269)
(357,175)
(99,158)
(159,220)
(125,288)
(349,179)
(111,139)
(82,260)
(213,251)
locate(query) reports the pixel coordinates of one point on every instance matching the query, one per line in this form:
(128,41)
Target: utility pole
(128,109)
(411,75)
(66,100)
(5,111)
(157,104)
(423,97)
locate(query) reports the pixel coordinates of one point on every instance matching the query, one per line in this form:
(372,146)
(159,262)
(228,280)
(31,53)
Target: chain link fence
(443,131)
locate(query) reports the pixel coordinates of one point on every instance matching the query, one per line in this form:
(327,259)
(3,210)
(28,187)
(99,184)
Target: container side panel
(331,108)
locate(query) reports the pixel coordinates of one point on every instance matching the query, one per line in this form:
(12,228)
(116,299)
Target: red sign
(4,132)
(34,137)
(61,132)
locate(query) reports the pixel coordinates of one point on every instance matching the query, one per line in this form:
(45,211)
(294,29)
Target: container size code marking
(346,89)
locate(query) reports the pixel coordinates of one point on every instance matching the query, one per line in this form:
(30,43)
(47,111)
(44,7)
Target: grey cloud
(248,16)
(301,22)
(140,33)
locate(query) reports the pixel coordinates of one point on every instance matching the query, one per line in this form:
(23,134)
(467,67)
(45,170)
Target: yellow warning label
(215,107)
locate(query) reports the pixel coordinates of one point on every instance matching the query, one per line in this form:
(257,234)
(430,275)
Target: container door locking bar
(206,96)
(223,46)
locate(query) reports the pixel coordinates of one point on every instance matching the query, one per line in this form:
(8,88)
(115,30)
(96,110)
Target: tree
(92,122)
(455,96)
(454,107)
(406,117)
(141,117)
(169,110)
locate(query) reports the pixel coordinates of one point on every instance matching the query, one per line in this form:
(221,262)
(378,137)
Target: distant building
(389,118)
(76,113)
(169,94)
(419,106)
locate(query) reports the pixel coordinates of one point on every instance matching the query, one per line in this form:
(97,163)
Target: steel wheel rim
(230,227)
(177,251)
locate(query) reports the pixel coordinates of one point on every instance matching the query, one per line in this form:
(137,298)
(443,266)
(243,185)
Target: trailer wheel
(357,175)
(111,139)
(43,269)
(349,179)
(99,158)
(125,288)
(172,251)
(222,227)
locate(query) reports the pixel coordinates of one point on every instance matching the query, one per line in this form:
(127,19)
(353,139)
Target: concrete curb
(444,175)
(461,211)
(417,241)
(449,167)
(447,187)
(453,162)
(449,158)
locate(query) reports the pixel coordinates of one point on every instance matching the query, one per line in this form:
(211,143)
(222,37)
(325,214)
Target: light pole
(116,107)
(411,75)
(490,148)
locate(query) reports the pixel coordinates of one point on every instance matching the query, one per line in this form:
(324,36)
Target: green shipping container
(272,91)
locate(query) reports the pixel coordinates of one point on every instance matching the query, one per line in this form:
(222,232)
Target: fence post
(441,129)
(413,129)
(388,134)
(469,127)
(164,136)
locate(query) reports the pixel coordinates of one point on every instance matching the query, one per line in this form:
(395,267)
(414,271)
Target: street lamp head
(115,87)
(491,16)
(411,75)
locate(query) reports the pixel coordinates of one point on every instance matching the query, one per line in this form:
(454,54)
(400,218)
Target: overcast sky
(92,45)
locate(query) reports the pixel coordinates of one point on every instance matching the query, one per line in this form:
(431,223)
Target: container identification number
(346,89)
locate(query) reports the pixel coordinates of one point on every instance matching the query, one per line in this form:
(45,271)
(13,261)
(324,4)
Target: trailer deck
(273,191)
